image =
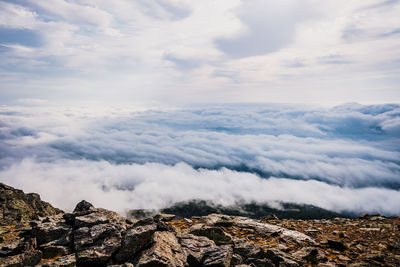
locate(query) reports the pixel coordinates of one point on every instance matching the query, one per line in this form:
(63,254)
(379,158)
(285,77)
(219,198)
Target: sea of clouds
(345,158)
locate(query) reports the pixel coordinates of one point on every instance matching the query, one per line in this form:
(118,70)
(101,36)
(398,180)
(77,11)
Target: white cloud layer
(341,158)
(152,185)
(174,51)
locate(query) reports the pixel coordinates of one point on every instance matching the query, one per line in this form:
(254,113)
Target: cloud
(269,26)
(351,145)
(165,9)
(208,51)
(152,185)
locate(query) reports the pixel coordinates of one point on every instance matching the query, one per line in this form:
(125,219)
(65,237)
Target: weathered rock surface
(165,251)
(92,236)
(17,207)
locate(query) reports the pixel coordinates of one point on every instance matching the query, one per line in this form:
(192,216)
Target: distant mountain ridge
(252,210)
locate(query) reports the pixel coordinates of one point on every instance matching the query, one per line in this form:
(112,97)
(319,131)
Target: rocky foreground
(92,236)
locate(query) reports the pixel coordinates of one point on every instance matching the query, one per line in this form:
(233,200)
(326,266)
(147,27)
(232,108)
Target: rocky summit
(91,236)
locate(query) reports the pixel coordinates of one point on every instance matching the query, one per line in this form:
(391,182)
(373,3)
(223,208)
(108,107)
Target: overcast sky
(177,52)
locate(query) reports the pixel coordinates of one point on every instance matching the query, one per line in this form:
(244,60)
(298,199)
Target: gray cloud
(181,63)
(270,26)
(164,9)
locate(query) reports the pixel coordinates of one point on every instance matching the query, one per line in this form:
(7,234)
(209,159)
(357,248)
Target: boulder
(82,238)
(96,245)
(265,228)
(247,250)
(135,240)
(51,229)
(194,248)
(216,234)
(280,258)
(165,251)
(83,206)
(309,254)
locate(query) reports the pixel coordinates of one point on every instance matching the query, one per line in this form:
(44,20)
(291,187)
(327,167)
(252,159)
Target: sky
(344,158)
(173,52)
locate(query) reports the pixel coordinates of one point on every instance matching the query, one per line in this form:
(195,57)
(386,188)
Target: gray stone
(51,230)
(213,233)
(135,239)
(194,247)
(165,251)
(218,256)
(83,206)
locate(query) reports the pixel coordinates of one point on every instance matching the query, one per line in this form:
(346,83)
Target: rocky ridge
(17,207)
(92,236)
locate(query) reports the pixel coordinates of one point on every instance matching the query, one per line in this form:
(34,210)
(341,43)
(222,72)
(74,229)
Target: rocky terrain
(92,236)
(16,206)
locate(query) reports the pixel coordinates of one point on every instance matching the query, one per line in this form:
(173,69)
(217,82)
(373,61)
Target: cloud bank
(344,158)
(153,185)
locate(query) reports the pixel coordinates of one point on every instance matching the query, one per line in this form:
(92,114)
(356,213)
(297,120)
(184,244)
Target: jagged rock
(95,246)
(83,206)
(214,233)
(16,206)
(309,254)
(82,237)
(96,237)
(165,251)
(135,239)
(194,247)
(162,226)
(66,261)
(93,218)
(93,256)
(280,258)
(265,228)
(50,230)
(28,258)
(247,250)
(218,256)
